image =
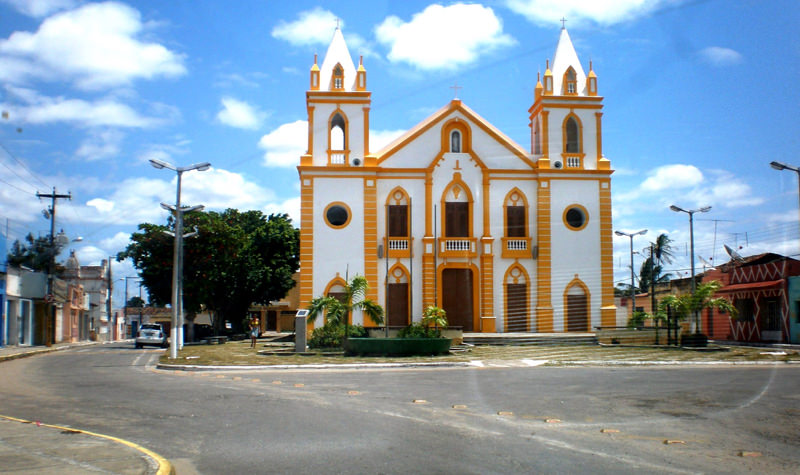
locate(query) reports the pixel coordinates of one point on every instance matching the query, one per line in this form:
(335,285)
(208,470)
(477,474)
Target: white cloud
(719,56)
(603,12)
(136,200)
(284,145)
(312,27)
(97,45)
(671,177)
(315,28)
(221,189)
(38,109)
(117,242)
(381,138)
(443,37)
(290,207)
(101,205)
(163,152)
(40,8)
(100,145)
(239,114)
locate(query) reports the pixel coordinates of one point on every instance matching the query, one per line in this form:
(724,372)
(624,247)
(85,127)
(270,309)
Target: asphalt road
(709,419)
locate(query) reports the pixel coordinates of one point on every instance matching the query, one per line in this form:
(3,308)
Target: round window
(337,215)
(576,217)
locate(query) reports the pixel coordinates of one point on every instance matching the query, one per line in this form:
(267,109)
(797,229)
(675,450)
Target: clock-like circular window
(575,217)
(337,215)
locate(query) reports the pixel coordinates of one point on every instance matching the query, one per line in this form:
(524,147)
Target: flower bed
(397,346)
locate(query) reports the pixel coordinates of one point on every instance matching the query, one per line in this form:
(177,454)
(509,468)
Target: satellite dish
(734,255)
(705,262)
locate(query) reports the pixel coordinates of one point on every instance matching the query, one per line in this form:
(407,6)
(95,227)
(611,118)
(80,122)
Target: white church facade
(456,214)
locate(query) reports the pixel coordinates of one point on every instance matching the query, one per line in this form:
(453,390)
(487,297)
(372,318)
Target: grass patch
(239,353)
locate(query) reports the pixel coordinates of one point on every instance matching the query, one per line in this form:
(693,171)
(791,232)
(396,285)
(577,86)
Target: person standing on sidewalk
(254,331)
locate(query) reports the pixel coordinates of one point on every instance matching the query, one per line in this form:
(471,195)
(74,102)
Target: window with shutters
(398,226)
(515,240)
(572,130)
(456,218)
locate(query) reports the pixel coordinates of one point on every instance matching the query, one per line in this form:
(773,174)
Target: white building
(456,214)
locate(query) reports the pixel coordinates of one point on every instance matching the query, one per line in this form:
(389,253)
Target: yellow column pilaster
(544,304)
(608,311)
(371,240)
(306,242)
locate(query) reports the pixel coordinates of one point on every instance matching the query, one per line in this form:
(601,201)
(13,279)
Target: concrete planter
(455,334)
(397,346)
(631,336)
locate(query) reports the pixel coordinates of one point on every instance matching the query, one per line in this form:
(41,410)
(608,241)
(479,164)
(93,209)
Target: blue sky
(699,97)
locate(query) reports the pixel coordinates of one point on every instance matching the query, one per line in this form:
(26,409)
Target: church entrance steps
(530,339)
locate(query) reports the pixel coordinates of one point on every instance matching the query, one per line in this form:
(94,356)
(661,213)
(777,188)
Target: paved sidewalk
(14,352)
(35,447)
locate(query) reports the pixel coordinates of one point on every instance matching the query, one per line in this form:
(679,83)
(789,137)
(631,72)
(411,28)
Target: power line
(22,164)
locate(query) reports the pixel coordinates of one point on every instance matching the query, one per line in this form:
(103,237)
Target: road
(709,419)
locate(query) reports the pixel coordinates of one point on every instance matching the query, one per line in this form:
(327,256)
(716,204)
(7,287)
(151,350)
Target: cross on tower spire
(455,87)
(563,23)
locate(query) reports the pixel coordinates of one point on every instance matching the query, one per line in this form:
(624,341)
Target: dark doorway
(457,292)
(516,308)
(272,320)
(577,313)
(398,305)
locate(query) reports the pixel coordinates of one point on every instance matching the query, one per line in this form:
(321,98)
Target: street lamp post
(783,166)
(691,213)
(177,271)
(633,292)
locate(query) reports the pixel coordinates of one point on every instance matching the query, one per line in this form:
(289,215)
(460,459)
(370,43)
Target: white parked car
(151,334)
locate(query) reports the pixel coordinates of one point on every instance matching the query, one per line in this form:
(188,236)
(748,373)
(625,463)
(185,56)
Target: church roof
(441,115)
(337,53)
(564,58)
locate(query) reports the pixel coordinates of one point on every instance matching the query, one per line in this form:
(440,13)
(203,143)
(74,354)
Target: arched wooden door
(577,309)
(457,297)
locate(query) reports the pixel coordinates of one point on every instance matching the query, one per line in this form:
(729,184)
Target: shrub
(331,335)
(418,330)
(637,319)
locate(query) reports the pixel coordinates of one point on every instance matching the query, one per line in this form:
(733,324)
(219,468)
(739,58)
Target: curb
(164,466)
(465,364)
(178,367)
(42,351)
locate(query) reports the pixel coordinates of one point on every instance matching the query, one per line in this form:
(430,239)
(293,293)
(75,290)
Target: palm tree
(651,271)
(338,310)
(662,250)
(692,304)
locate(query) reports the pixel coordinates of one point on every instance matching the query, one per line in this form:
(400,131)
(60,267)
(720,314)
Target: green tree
(237,259)
(135,302)
(651,271)
(686,305)
(338,310)
(35,253)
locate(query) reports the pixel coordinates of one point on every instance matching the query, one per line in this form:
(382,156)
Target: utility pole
(49,298)
(111,320)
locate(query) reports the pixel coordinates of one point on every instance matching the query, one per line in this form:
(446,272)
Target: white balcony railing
(398,244)
(517,245)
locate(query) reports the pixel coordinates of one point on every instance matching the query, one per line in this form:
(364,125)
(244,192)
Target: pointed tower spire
(338,73)
(361,75)
(537,91)
(315,75)
(591,81)
(565,59)
(548,80)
